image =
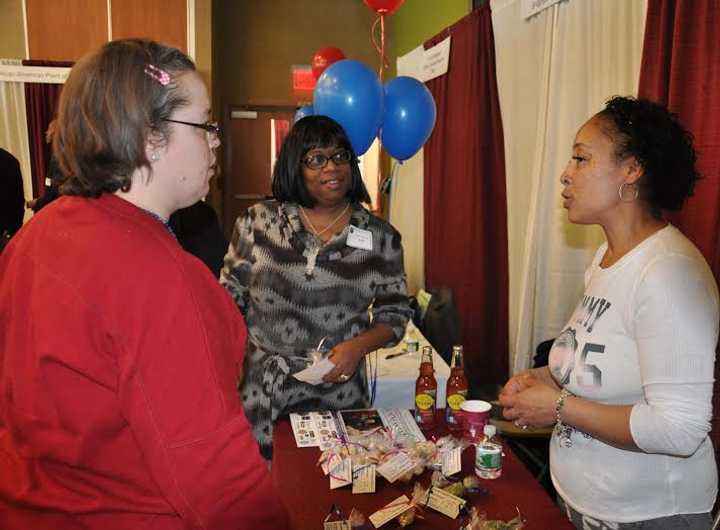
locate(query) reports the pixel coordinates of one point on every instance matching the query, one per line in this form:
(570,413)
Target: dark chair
(441,324)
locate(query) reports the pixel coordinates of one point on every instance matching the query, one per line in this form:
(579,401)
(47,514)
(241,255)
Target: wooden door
(247,170)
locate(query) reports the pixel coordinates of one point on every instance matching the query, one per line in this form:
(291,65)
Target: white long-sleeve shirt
(644,334)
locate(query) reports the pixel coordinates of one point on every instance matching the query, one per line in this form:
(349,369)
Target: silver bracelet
(562,431)
(559,404)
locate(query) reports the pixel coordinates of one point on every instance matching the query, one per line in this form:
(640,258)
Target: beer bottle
(426,391)
(456,390)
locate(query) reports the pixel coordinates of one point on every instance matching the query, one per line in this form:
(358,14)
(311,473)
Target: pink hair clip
(159,75)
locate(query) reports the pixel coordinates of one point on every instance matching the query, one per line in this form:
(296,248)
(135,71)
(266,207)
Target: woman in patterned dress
(313,266)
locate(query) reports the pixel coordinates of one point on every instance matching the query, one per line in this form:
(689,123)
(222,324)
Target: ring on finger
(343,377)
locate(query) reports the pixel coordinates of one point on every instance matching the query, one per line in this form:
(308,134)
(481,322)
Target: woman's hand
(516,384)
(345,356)
(528,401)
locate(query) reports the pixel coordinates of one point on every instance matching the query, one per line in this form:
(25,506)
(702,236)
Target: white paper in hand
(313,374)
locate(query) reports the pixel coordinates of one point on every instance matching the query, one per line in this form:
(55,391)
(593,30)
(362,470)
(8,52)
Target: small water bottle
(411,342)
(488,455)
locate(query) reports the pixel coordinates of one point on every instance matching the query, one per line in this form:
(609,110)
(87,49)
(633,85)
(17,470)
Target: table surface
(307,494)
(396,376)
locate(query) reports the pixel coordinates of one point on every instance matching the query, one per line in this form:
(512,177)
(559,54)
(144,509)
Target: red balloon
(324,58)
(384,7)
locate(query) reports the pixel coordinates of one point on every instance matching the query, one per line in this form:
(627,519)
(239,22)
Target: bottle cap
(489,430)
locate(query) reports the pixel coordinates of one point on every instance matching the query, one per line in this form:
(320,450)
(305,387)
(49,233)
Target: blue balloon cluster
(403,113)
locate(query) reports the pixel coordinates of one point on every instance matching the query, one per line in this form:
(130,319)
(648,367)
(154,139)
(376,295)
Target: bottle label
(488,457)
(455,400)
(424,401)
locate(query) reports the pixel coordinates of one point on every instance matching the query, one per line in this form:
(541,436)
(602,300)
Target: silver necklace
(328,227)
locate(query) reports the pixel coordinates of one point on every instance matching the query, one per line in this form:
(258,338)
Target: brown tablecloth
(306,491)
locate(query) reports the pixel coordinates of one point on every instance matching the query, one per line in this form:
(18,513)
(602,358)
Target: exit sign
(303,79)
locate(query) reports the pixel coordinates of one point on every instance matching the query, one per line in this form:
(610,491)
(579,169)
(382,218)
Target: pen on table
(393,355)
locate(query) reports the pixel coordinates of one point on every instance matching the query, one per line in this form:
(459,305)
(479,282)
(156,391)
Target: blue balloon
(409,117)
(307,110)
(351,94)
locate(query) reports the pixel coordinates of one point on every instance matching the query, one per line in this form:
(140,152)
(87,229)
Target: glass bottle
(456,389)
(488,455)
(426,391)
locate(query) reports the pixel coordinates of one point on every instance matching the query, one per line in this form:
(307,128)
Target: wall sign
(302,78)
(423,64)
(14,72)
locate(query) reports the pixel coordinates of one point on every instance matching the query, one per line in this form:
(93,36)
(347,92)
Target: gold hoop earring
(624,197)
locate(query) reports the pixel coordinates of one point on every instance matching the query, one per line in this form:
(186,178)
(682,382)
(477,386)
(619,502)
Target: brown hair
(109,108)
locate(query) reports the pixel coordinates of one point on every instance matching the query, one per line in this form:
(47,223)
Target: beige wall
(12,32)
(203,40)
(257,40)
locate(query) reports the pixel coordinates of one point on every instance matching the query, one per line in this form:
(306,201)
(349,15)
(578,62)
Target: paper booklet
(321,429)
(314,429)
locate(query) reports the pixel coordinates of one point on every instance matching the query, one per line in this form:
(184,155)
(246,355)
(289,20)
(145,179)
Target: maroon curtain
(41,101)
(681,69)
(465,198)
(282,128)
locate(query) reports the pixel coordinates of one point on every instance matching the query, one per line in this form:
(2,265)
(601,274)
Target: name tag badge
(359,238)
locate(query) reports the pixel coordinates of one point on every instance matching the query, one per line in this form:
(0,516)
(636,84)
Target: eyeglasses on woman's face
(211,127)
(320,160)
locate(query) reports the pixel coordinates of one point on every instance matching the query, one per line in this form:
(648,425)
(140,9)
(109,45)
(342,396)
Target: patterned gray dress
(294,290)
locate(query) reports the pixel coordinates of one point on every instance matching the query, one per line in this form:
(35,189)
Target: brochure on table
(320,429)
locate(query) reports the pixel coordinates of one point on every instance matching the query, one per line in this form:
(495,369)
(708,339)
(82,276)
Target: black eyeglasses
(210,127)
(319,160)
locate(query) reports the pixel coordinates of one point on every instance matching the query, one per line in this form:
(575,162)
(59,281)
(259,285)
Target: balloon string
(383,64)
(380,48)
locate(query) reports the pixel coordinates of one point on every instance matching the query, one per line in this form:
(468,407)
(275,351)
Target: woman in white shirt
(629,382)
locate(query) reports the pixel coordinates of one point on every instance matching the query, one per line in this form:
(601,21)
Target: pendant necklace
(328,227)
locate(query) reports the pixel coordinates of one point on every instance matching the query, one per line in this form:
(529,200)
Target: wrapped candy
(357,520)
(479,521)
(380,445)
(459,488)
(403,510)
(439,480)
(472,484)
(419,498)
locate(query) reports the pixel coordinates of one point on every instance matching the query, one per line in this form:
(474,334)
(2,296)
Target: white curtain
(554,70)
(13,131)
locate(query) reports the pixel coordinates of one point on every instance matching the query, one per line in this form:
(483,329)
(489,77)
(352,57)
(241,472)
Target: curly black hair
(664,148)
